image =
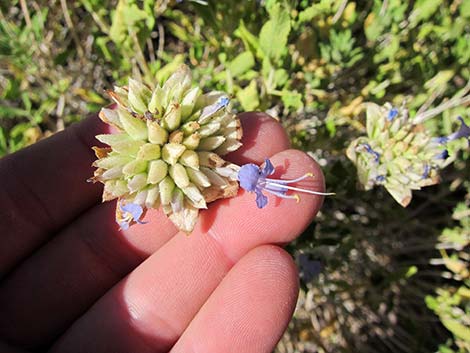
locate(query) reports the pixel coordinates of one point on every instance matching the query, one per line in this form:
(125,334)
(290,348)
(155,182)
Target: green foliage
(452,303)
(274,33)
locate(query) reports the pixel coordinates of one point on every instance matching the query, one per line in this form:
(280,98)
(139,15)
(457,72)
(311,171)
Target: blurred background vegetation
(375,277)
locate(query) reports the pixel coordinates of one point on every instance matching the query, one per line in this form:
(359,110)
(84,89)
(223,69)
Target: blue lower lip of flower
(440,140)
(427,170)
(380,178)
(370,150)
(131,212)
(392,114)
(214,108)
(463,131)
(443,155)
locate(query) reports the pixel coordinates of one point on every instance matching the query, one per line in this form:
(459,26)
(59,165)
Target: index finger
(44,187)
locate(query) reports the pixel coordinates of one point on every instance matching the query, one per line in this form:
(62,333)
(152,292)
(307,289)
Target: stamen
(301,190)
(284,196)
(288,181)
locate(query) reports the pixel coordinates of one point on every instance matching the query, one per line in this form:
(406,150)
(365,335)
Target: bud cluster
(167,150)
(396,153)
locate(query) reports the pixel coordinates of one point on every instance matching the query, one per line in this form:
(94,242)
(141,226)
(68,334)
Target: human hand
(73,282)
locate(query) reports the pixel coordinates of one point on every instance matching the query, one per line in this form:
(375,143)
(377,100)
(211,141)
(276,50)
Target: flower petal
(392,113)
(261,200)
(464,131)
(248,176)
(134,209)
(268,168)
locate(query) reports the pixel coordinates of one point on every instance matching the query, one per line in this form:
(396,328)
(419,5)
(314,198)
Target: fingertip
(263,136)
(273,259)
(250,309)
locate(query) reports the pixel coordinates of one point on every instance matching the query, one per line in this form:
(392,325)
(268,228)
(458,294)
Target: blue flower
(254,179)
(392,114)
(210,110)
(380,178)
(443,155)
(463,131)
(371,151)
(309,269)
(128,213)
(427,170)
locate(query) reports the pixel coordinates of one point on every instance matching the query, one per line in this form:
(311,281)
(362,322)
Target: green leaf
(274,34)
(331,126)
(319,9)
(465,9)
(412,270)
(249,40)
(423,10)
(307,14)
(3,142)
(280,77)
(459,330)
(11,112)
(242,63)
(248,97)
(292,100)
(169,68)
(127,14)
(374,26)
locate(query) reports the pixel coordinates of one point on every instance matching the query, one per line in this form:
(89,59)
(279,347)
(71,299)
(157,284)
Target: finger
(259,129)
(45,294)
(249,310)
(224,221)
(150,309)
(74,269)
(43,188)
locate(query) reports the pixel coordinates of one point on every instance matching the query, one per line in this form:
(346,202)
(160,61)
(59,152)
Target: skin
(71,281)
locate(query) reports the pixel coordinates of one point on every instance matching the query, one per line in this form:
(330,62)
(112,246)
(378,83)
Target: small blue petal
(464,131)
(392,114)
(426,171)
(380,178)
(223,102)
(370,150)
(309,269)
(134,209)
(268,168)
(124,225)
(248,176)
(214,108)
(442,140)
(261,200)
(443,155)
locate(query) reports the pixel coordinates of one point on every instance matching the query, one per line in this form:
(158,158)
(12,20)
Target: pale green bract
(167,151)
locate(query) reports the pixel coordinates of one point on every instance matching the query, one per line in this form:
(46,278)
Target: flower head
(168,149)
(255,179)
(397,153)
